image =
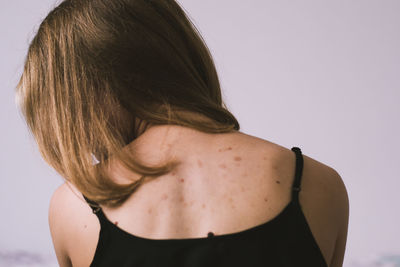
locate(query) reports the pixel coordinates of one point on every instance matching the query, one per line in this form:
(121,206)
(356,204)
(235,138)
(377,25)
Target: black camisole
(284,241)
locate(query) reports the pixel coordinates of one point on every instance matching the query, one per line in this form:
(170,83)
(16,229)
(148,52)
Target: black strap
(98,212)
(298,173)
(93,205)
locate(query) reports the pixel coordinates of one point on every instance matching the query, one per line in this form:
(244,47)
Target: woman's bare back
(225,183)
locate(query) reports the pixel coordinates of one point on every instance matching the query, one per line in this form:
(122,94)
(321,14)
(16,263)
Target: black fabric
(284,241)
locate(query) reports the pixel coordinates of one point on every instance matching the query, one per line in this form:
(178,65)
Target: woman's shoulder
(323,197)
(71,222)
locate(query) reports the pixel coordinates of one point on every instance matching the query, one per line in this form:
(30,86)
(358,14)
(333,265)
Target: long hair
(94,67)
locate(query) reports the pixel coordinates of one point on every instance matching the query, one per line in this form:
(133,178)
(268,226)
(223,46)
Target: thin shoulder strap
(96,209)
(93,205)
(298,174)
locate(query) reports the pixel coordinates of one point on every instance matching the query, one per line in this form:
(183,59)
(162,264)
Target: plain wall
(320,75)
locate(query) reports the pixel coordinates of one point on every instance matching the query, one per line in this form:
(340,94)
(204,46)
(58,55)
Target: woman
(132,85)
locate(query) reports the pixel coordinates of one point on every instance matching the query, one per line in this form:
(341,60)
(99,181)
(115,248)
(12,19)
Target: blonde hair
(95,66)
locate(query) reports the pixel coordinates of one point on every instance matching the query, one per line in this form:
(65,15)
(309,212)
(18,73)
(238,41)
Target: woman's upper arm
(342,204)
(57,225)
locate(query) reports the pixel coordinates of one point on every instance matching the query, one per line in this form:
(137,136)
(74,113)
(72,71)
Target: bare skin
(225,183)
